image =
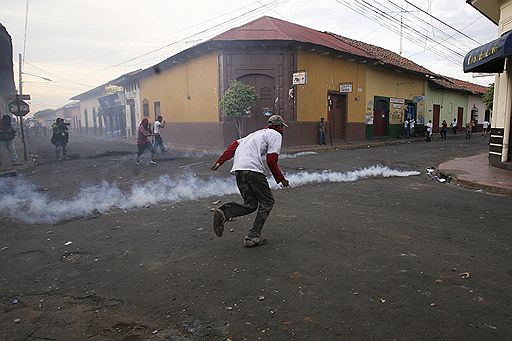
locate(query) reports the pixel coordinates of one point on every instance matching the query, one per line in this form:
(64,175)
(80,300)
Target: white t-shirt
(156,127)
(429,126)
(411,124)
(485,124)
(253,149)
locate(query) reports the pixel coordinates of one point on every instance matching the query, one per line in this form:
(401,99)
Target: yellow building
(363,91)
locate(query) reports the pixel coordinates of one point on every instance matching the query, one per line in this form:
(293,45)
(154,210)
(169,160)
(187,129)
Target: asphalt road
(374,259)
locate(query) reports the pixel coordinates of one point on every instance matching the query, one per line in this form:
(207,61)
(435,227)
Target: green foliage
(488,97)
(238,99)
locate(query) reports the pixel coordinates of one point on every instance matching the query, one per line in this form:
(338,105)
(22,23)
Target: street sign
(19,107)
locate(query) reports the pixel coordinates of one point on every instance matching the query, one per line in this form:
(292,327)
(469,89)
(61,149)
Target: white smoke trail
(295,155)
(21,200)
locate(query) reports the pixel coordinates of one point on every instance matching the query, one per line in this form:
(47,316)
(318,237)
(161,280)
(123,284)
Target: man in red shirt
(142,140)
(251,179)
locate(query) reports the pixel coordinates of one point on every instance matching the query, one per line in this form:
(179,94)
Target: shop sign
(300,78)
(345,87)
(397,100)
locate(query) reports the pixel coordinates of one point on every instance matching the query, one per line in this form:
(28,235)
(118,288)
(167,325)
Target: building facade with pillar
(496,57)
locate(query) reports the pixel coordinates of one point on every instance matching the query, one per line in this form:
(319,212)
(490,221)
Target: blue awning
(489,58)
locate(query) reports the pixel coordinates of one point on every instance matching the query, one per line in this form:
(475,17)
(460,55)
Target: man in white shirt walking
(485,127)
(250,178)
(159,124)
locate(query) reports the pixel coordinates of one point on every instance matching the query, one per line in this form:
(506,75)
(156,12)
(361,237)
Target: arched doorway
(266,87)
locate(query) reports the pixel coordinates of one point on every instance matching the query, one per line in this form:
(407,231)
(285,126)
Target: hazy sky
(80,44)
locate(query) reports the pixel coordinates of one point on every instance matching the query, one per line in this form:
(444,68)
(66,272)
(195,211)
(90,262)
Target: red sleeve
(274,168)
(228,153)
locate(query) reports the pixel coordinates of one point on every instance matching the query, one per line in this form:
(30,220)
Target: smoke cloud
(295,155)
(22,200)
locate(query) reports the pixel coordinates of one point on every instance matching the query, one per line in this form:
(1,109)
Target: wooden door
(460,115)
(265,107)
(337,116)
(435,118)
(380,118)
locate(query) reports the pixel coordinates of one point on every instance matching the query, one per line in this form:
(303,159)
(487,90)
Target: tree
(488,97)
(237,102)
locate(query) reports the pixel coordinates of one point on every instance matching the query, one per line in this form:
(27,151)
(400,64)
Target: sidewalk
(475,172)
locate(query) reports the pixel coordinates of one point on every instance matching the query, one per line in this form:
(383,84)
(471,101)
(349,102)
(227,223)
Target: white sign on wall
(397,100)
(299,78)
(345,87)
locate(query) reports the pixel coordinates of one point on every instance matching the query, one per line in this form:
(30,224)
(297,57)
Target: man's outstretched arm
(228,154)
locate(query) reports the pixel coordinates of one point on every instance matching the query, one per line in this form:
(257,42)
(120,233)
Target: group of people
(144,132)
(470,127)
(409,127)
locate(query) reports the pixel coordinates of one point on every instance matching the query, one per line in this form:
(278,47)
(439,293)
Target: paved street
(397,258)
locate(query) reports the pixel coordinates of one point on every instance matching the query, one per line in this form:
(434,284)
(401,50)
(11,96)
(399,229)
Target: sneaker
(251,242)
(138,162)
(152,162)
(218,221)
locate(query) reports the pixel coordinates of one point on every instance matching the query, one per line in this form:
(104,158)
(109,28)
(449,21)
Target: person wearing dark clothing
(143,142)
(7,135)
(444,128)
(60,138)
(250,178)
(322,128)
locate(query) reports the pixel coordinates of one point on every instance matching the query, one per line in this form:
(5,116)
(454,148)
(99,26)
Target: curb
(453,178)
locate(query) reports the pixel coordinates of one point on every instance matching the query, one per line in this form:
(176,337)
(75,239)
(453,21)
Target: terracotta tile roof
(268,28)
(387,56)
(460,85)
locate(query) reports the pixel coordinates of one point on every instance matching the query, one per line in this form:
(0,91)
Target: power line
(442,22)
(167,35)
(229,21)
(377,17)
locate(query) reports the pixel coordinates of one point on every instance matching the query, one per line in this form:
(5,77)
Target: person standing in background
(444,128)
(322,129)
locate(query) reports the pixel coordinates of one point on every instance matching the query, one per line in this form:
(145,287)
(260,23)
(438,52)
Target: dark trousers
(454,130)
(321,137)
(443,133)
(158,143)
(254,188)
(142,147)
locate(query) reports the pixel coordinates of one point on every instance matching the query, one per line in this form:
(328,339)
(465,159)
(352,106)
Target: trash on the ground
(262,298)
(479,190)
(432,304)
(382,300)
(465,275)
(441,180)
(439,281)
(15,301)
(229,339)
(232,230)
(16,320)
(68,243)
(154,331)
(216,202)
(213,209)
(4,248)
(49,232)
(430,170)
(229,308)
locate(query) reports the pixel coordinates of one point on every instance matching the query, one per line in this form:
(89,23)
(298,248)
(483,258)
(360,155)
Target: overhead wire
(263,7)
(391,25)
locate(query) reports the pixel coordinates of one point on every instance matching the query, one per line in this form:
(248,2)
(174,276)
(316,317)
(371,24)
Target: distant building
(7,87)
(71,114)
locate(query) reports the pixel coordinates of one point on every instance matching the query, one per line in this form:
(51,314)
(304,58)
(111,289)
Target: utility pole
(401,29)
(20,93)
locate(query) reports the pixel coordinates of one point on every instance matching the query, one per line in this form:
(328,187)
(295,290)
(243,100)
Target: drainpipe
(508,111)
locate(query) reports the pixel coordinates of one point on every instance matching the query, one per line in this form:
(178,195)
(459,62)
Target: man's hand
(285,183)
(215,166)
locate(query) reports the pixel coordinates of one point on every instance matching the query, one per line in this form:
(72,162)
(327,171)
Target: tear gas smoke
(293,156)
(22,200)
